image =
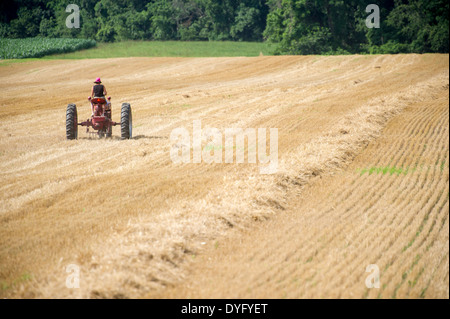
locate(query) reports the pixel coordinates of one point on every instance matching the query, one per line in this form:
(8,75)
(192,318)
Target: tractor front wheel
(127,122)
(72,122)
(109,129)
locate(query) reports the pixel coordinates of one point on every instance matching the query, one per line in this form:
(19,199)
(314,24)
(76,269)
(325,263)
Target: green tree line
(295,26)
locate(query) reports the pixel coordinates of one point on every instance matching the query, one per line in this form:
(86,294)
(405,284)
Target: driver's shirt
(99,90)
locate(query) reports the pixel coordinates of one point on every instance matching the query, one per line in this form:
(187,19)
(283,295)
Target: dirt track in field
(362,179)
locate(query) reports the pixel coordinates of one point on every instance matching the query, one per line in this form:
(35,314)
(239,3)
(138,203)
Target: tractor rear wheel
(127,122)
(72,122)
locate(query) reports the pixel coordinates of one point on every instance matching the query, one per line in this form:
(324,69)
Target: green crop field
(39,47)
(171,49)
(18,49)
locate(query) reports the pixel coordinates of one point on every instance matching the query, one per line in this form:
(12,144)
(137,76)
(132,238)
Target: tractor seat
(99,100)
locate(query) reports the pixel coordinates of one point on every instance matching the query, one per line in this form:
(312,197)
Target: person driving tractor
(98,91)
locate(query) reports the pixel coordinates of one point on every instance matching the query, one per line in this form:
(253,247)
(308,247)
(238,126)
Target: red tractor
(101,121)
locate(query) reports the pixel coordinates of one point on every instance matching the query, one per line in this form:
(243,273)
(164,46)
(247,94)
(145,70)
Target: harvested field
(362,179)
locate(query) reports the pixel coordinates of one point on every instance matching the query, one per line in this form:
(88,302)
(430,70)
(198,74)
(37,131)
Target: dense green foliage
(39,47)
(296,26)
(330,26)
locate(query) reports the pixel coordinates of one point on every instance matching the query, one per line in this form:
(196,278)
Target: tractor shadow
(117,138)
(144,137)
